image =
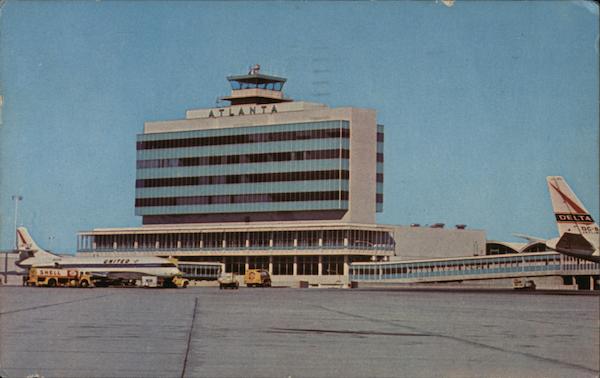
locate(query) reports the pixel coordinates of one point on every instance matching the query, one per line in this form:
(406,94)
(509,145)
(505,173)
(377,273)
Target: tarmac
(284,332)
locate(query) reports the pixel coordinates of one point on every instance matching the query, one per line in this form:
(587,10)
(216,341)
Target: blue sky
(480,101)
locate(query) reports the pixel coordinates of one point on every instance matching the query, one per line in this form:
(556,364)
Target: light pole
(16,198)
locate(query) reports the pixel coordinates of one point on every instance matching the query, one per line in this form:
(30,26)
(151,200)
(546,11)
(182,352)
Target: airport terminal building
(272,183)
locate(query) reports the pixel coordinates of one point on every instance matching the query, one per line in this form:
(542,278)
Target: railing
(162,250)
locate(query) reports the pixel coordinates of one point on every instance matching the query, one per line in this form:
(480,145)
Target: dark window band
(379,198)
(380,177)
(380,157)
(243,159)
(243,198)
(242,179)
(243,139)
(380,137)
(269,216)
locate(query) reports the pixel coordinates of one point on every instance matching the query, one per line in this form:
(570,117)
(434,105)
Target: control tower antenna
(254,69)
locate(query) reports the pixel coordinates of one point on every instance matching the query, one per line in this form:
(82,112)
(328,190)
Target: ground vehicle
(58,277)
(153,281)
(228,281)
(257,277)
(149,281)
(523,284)
(179,281)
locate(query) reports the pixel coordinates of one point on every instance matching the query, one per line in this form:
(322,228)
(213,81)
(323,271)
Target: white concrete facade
(414,243)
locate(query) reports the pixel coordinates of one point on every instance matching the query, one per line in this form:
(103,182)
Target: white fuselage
(146,266)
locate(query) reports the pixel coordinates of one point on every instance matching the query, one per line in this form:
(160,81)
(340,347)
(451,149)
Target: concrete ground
(272,332)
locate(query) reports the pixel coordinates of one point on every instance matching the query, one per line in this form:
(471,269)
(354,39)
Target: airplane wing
(117,275)
(99,274)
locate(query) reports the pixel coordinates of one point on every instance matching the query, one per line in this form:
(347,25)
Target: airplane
(578,233)
(101,268)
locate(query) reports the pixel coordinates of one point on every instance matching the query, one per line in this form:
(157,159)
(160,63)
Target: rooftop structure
(256,88)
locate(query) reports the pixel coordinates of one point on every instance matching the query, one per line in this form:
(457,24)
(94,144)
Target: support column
(295,265)
(5,267)
(591,282)
(247,264)
(346,268)
(270,265)
(320,266)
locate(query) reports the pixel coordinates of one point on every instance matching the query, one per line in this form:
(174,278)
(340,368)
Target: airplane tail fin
(573,220)
(26,243)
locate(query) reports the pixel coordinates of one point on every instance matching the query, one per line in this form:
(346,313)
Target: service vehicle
(149,281)
(228,281)
(257,277)
(179,281)
(58,277)
(523,284)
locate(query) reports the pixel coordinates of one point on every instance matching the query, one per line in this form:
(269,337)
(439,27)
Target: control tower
(255,88)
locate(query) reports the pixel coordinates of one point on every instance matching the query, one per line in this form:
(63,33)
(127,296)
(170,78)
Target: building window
(247,158)
(243,198)
(235,264)
(244,178)
(243,139)
(235,240)
(258,262)
(259,239)
(284,239)
(309,239)
(212,240)
(308,265)
(333,265)
(283,265)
